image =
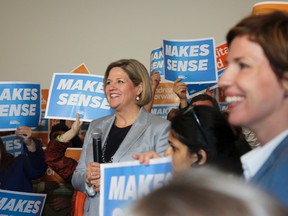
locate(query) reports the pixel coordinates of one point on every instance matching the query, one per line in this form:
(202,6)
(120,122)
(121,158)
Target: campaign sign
(13,144)
(164,100)
(194,89)
(157,61)
(163,111)
(165,95)
(20,203)
(19,105)
(221,55)
(269,6)
(77,93)
(122,183)
(192,60)
(43,123)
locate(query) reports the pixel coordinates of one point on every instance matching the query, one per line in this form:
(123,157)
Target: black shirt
(115,138)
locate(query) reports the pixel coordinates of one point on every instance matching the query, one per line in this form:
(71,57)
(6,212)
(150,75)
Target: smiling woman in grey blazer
(130,130)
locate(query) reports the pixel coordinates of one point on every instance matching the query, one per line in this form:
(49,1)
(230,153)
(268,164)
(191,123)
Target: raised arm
(55,152)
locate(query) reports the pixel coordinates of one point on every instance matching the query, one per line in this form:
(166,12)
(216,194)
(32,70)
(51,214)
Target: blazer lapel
(107,125)
(270,161)
(133,135)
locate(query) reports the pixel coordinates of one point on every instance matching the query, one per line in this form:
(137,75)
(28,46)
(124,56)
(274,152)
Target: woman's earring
(137,98)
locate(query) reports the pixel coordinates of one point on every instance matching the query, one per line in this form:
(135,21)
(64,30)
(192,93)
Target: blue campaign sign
(77,93)
(21,204)
(157,61)
(13,144)
(192,60)
(43,124)
(122,183)
(163,110)
(193,89)
(19,105)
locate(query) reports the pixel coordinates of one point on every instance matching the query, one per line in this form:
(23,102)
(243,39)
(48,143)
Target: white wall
(39,38)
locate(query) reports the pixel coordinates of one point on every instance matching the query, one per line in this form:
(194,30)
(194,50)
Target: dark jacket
(23,169)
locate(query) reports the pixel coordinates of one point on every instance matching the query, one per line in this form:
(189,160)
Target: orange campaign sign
(41,131)
(221,55)
(267,7)
(44,97)
(164,95)
(81,69)
(164,100)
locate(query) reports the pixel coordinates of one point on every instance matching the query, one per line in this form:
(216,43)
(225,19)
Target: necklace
(103,155)
(114,140)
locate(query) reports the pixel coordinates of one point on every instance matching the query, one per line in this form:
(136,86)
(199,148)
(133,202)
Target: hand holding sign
(25,133)
(180,89)
(145,157)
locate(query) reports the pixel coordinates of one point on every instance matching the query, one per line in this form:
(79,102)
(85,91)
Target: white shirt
(253,160)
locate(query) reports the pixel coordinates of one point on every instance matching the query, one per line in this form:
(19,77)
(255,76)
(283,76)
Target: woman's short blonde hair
(138,74)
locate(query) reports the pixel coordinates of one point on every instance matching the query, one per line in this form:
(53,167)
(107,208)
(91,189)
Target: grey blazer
(149,132)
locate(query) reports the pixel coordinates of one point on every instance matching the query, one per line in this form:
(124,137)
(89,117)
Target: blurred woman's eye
(173,148)
(243,65)
(120,81)
(108,82)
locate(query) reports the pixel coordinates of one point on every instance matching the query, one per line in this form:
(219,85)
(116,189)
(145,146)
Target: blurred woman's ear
(140,89)
(202,157)
(198,159)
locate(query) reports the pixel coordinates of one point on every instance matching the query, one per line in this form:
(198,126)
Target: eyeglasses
(190,109)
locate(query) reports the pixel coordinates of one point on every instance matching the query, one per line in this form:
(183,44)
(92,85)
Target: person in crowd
(255,84)
(155,81)
(206,192)
(200,135)
(180,89)
(207,98)
(172,113)
(204,99)
(130,130)
(60,138)
(241,143)
(17,173)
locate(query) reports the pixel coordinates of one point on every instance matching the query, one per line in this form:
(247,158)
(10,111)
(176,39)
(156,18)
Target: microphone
(97,145)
